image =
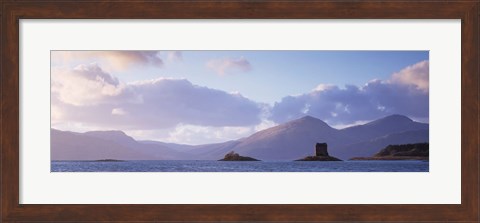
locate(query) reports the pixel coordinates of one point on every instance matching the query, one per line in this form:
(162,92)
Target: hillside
(383,126)
(287,141)
(290,140)
(370,147)
(417,151)
(106,145)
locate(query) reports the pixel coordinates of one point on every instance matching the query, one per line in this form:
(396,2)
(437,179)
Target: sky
(197,97)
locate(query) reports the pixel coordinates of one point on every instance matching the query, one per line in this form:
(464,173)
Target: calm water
(244,166)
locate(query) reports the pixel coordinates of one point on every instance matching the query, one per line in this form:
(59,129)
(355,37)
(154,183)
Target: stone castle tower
(321,149)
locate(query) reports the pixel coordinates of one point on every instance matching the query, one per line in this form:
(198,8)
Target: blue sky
(229,94)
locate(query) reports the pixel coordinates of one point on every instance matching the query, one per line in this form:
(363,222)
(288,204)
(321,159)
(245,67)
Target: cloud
(114,59)
(359,122)
(324,87)
(88,85)
(182,102)
(175,56)
(89,95)
(229,65)
(118,111)
(343,106)
(416,75)
(195,134)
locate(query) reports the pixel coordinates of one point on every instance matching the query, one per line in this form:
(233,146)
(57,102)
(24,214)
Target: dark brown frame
(12,11)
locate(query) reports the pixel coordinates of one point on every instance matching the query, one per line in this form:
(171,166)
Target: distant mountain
(115,136)
(288,141)
(178,147)
(74,146)
(106,145)
(212,151)
(384,126)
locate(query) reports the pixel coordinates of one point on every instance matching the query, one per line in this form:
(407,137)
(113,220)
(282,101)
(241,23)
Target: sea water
(239,166)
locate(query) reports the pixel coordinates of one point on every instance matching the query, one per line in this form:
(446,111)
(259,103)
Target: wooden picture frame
(12,11)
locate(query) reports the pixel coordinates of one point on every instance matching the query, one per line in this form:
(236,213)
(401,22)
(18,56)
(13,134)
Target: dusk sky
(196,97)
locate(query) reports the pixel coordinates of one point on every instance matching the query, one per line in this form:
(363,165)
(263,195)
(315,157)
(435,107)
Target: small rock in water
(232,156)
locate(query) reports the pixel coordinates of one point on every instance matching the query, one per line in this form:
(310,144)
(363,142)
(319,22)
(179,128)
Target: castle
(321,149)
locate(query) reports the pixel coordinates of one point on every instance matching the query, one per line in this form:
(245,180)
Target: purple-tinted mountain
(114,136)
(77,146)
(288,141)
(384,126)
(201,152)
(370,147)
(106,145)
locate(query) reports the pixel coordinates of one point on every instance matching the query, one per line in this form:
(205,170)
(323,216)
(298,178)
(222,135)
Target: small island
(232,156)
(417,151)
(321,154)
(109,160)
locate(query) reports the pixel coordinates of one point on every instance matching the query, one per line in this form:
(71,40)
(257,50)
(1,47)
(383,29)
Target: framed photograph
(237,105)
(239,111)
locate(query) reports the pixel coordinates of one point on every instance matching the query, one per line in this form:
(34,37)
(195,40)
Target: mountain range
(287,141)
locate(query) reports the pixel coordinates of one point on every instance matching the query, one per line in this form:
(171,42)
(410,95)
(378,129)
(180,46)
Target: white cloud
(416,75)
(111,59)
(88,85)
(265,124)
(55,114)
(118,111)
(306,108)
(342,126)
(175,56)
(229,65)
(192,134)
(195,135)
(89,95)
(405,93)
(324,87)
